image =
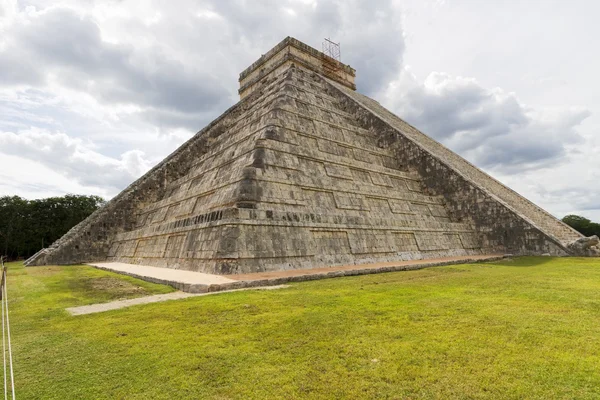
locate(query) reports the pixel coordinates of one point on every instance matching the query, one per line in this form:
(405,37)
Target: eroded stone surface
(303,173)
(585,246)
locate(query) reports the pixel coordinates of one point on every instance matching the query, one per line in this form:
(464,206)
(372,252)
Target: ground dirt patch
(46,271)
(116,285)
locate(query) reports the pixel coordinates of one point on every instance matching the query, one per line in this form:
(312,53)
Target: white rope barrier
(12,374)
(4,340)
(6,336)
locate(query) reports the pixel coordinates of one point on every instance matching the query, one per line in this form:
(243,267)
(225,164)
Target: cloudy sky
(93,93)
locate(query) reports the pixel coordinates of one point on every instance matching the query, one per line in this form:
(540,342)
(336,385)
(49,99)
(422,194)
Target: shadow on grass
(524,261)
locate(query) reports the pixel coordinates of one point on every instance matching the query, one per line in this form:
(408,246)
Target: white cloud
(490,127)
(61,47)
(75,159)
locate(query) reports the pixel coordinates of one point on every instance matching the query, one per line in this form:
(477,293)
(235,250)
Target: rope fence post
(6,335)
(3,331)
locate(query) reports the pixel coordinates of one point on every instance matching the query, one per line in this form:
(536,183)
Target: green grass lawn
(523,328)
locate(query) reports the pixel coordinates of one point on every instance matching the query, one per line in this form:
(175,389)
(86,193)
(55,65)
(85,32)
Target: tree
(12,216)
(28,225)
(582,224)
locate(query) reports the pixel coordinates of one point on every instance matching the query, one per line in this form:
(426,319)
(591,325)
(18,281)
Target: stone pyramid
(305,172)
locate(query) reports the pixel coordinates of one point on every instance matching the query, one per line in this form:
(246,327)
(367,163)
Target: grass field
(523,328)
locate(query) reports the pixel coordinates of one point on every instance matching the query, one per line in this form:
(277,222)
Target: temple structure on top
(306,172)
(293,52)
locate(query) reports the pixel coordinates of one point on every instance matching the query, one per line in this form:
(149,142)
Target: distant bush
(582,224)
(28,225)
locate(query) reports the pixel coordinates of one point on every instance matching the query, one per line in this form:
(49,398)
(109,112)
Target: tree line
(582,224)
(26,226)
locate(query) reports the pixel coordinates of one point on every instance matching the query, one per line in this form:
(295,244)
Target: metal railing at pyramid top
(6,343)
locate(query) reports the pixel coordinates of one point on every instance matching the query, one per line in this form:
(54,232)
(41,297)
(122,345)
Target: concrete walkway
(196,282)
(115,305)
(186,281)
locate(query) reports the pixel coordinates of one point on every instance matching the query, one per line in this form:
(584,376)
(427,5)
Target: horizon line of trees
(27,226)
(582,225)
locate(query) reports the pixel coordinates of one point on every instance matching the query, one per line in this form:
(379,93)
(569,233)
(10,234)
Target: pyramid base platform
(196,282)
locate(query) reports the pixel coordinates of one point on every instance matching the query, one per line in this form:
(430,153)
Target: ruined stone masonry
(305,172)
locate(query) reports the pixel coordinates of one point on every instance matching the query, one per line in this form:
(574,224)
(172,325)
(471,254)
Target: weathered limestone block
(585,246)
(304,172)
(506,221)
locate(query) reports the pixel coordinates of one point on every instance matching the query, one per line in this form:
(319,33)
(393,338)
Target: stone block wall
(505,220)
(301,174)
(95,237)
(297,185)
(291,51)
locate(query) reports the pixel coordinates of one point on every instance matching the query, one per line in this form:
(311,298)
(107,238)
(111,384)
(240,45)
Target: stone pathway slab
(115,305)
(186,281)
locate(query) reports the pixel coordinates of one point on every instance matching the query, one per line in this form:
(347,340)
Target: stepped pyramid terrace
(306,172)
